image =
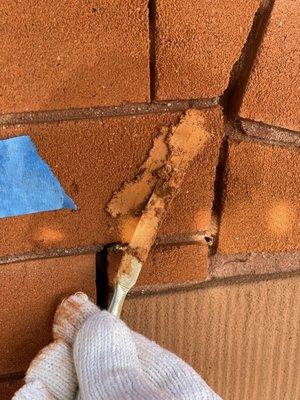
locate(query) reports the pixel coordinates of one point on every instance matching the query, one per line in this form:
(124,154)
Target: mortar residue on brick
(163,172)
(133,195)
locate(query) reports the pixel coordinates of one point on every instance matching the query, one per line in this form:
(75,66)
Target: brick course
(168,265)
(92,158)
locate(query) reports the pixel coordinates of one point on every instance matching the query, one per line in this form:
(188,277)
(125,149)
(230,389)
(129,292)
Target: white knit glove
(96,356)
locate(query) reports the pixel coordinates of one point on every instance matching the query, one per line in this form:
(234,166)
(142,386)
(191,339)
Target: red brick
(8,388)
(168,265)
(261,205)
(197,44)
(92,158)
(30,293)
(273,92)
(57,55)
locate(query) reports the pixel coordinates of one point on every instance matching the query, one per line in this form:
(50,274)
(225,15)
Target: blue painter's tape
(27,184)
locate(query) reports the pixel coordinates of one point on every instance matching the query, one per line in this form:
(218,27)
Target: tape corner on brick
(27,183)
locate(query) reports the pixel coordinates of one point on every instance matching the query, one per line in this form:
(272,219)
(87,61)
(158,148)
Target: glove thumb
(107,363)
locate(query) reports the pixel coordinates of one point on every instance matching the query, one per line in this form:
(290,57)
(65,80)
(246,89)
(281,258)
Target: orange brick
(92,158)
(167,265)
(197,44)
(8,388)
(261,205)
(273,92)
(30,293)
(57,55)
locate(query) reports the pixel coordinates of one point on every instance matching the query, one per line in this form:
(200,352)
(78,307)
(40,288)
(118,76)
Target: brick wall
(92,82)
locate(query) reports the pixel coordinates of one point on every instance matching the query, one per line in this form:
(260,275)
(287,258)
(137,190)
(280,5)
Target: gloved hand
(96,356)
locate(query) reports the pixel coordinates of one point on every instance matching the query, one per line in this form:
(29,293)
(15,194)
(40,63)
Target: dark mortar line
(61,116)
(290,138)
(239,134)
(220,186)
(152,47)
(271,127)
(190,239)
(211,283)
(103,291)
(104,112)
(65,252)
(240,73)
(14,376)
(201,237)
(164,243)
(95,249)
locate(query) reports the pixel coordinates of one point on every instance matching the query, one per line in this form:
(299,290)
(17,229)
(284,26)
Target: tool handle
(117,301)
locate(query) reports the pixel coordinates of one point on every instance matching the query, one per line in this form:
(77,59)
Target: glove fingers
(170,373)
(70,316)
(54,367)
(33,391)
(107,363)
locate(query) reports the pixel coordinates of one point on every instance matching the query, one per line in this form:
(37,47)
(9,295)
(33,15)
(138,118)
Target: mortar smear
(132,196)
(172,144)
(184,141)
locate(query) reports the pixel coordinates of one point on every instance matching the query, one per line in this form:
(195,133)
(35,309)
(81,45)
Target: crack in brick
(239,76)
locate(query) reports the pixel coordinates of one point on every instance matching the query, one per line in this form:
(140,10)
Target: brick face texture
(92,159)
(168,265)
(273,92)
(63,54)
(261,205)
(197,43)
(30,293)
